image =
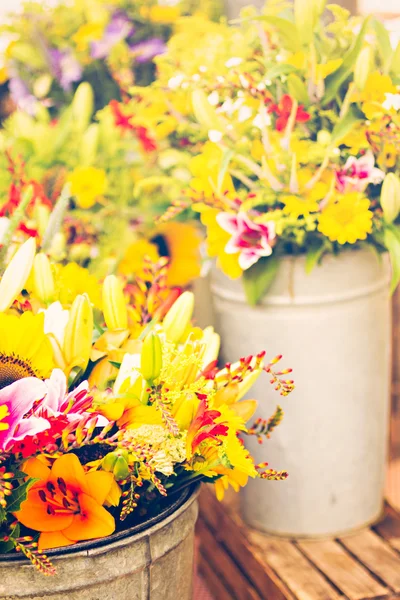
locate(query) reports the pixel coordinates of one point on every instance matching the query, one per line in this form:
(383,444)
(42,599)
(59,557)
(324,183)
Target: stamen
(42,495)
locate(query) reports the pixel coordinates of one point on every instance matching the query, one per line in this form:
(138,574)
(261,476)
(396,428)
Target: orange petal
(94,521)
(99,485)
(33,514)
(54,539)
(70,469)
(36,469)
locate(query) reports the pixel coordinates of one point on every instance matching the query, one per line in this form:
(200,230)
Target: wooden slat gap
(316,567)
(374,575)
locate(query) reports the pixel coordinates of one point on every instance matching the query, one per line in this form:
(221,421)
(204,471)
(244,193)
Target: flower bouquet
(110,45)
(293,143)
(87,180)
(112,405)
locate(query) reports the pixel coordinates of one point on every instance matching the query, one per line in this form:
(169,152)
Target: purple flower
(66,68)
(22,96)
(250,240)
(148,49)
(118,29)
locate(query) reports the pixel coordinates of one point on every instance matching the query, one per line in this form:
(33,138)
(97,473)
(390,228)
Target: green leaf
(313,256)
(285,29)
(392,243)
(395,62)
(335,79)
(259,277)
(278,70)
(6,547)
(226,159)
(345,125)
(19,495)
(384,44)
(297,89)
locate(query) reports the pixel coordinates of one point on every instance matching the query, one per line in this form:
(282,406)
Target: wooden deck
(239,563)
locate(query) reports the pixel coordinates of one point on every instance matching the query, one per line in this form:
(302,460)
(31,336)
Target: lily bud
(78,333)
(16,274)
(178,317)
(121,468)
(390,197)
(43,280)
(42,214)
(114,305)
(362,67)
(89,144)
(83,105)
(151,357)
(185,413)
(212,342)
(247,383)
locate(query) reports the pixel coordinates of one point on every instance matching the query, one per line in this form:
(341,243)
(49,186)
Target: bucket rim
(185,497)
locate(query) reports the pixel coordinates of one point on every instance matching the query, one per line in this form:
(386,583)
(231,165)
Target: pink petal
(56,390)
(20,397)
(228,222)
(248,258)
(28,427)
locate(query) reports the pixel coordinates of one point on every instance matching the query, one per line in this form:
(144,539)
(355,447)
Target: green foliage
(259,277)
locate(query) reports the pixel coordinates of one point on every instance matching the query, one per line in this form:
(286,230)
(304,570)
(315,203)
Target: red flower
(123,121)
(283,110)
(204,427)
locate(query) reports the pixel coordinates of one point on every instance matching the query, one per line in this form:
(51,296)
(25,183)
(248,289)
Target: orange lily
(66,504)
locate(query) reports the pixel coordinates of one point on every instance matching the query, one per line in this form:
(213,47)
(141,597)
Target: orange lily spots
(66,504)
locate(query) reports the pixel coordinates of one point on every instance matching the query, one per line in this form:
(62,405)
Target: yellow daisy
(307,200)
(25,350)
(347,220)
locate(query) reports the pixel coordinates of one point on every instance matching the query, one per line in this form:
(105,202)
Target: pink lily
(251,240)
(20,397)
(357,173)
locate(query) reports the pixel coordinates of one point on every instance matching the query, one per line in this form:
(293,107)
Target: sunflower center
(162,246)
(13,368)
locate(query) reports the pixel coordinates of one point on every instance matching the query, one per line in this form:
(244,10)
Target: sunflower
(347,220)
(25,351)
(180,242)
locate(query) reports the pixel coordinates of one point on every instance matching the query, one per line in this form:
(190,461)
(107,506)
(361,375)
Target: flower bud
(178,317)
(108,462)
(362,67)
(42,214)
(83,105)
(151,357)
(89,144)
(184,412)
(78,333)
(114,305)
(43,280)
(121,468)
(390,197)
(16,274)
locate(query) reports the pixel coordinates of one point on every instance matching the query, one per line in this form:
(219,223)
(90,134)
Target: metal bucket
(151,563)
(334,328)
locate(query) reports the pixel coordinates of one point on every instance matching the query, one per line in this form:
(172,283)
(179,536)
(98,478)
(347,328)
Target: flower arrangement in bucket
(110,401)
(295,141)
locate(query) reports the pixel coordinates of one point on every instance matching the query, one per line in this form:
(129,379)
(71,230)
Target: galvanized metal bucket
(334,328)
(153,561)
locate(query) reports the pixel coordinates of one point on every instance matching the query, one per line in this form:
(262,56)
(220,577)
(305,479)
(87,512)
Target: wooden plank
(300,576)
(232,534)
(214,582)
(223,564)
(376,555)
(346,573)
(389,527)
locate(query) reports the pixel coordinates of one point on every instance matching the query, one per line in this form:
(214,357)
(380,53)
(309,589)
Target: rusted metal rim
(120,535)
